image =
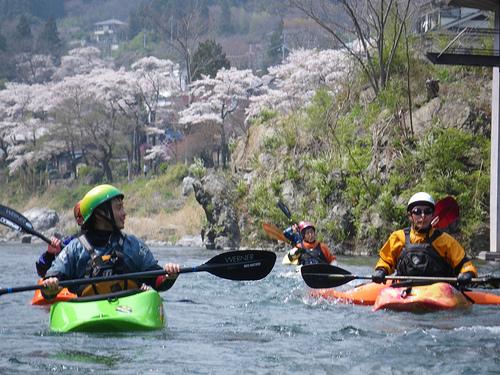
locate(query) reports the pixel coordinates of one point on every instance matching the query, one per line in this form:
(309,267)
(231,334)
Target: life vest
(102,266)
(421,259)
(312,256)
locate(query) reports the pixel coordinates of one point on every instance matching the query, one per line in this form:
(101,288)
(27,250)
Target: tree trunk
(107,169)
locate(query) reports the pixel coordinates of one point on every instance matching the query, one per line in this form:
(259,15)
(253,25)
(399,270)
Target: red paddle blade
(448,212)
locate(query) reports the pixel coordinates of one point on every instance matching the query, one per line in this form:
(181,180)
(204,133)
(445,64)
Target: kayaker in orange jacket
(421,250)
(309,250)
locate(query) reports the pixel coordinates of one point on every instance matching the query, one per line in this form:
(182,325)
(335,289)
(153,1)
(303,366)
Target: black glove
(378,276)
(464,278)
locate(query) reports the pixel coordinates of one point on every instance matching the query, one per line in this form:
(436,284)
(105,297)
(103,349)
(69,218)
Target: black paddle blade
(241,264)
(488,282)
(14,219)
(325,276)
(10,224)
(284,208)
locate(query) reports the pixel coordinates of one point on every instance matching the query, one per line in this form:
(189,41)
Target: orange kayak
(63,295)
(367,294)
(364,294)
(434,297)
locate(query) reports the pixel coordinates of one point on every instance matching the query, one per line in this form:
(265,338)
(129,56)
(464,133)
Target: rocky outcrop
(213,192)
(187,185)
(44,220)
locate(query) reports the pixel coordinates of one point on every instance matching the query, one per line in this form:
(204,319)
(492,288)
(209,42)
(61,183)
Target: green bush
(272,143)
(197,168)
(163,168)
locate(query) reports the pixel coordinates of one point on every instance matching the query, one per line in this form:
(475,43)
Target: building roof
(111,21)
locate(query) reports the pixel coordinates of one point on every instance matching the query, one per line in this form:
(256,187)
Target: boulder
(42,218)
(190,241)
(187,185)
(222,230)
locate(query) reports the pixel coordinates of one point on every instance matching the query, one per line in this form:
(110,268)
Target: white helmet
(420,198)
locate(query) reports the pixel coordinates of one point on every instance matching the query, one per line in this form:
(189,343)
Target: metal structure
(481,47)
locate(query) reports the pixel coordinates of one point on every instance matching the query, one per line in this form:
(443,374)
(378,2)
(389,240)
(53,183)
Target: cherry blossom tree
(89,107)
(291,85)
(79,61)
(23,125)
(34,68)
(377,25)
(215,99)
(156,82)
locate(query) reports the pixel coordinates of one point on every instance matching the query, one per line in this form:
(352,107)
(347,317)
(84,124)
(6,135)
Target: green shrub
(197,168)
(272,143)
(241,189)
(163,168)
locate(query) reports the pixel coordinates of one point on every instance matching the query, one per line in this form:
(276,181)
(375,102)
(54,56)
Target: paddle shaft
(41,236)
(405,278)
(235,265)
(328,276)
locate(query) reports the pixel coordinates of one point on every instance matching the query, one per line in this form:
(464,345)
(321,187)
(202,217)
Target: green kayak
(124,311)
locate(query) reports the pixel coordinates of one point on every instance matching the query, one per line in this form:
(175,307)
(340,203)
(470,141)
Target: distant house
(110,32)
(436,16)
(62,166)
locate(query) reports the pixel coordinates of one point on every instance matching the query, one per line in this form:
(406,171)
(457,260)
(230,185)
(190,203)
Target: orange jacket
(447,247)
(324,249)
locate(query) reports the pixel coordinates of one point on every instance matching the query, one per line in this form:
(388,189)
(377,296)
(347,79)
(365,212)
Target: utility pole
(171,30)
(283,48)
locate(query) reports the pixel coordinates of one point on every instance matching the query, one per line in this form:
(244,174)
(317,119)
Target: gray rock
(187,185)
(42,218)
(213,192)
(190,241)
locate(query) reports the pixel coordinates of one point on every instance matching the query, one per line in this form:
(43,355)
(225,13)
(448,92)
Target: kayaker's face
(421,217)
(119,212)
(309,235)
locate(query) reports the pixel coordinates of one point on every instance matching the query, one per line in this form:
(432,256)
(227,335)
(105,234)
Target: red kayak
(432,297)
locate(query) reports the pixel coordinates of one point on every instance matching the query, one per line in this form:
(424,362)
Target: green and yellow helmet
(95,197)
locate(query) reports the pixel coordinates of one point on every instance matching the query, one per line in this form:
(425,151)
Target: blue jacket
(46,259)
(71,263)
(294,237)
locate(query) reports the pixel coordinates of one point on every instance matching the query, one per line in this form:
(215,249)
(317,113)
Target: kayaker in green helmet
(102,249)
(422,250)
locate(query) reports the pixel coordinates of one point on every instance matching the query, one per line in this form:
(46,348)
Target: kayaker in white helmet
(421,250)
(307,249)
(102,249)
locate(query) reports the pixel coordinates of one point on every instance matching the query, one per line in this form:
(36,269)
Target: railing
(466,41)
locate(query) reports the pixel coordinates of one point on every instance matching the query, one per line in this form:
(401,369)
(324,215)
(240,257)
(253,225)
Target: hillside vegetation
(349,163)
(343,136)
(156,209)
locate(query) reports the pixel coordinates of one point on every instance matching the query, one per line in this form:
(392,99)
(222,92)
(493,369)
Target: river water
(271,326)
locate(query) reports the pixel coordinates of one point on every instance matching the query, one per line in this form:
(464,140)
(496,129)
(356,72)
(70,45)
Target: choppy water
(218,326)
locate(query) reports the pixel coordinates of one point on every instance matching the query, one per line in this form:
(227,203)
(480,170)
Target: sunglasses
(420,211)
